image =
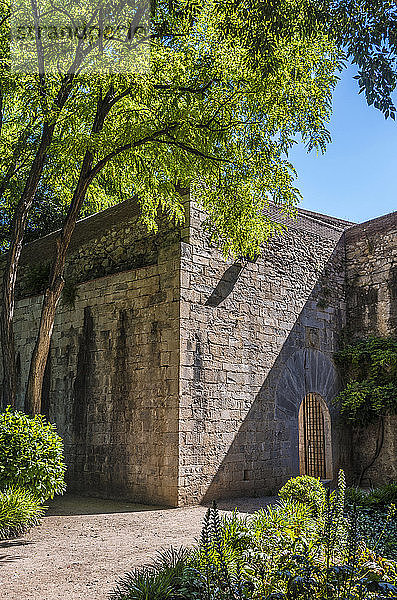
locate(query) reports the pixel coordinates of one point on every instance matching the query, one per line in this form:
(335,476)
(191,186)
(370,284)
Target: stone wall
(111,382)
(176,376)
(255,338)
(111,241)
(371,277)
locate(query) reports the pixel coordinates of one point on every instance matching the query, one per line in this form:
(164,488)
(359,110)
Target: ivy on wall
(369,369)
(36,278)
(36,281)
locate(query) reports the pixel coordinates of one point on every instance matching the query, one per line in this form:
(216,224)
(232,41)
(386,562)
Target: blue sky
(356,179)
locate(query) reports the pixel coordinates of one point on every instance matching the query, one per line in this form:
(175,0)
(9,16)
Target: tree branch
(193,151)
(191,90)
(149,138)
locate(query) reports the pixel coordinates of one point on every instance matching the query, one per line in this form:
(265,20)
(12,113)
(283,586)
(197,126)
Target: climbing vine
(369,369)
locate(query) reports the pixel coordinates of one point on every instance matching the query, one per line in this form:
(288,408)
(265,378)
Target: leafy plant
(219,559)
(306,490)
(376,517)
(166,577)
(19,511)
(378,527)
(335,566)
(31,455)
(372,498)
(144,584)
(282,552)
(36,278)
(369,368)
(69,293)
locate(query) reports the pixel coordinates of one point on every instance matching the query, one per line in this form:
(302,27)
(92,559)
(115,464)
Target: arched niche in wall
(307,371)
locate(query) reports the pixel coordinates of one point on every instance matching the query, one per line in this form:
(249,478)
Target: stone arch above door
(306,371)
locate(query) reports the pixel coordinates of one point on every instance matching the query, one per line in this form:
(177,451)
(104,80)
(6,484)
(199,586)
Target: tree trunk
(40,354)
(50,303)
(11,268)
(14,253)
(8,351)
(54,290)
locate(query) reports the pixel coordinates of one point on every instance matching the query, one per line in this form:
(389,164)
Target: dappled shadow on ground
(71,505)
(13,543)
(8,558)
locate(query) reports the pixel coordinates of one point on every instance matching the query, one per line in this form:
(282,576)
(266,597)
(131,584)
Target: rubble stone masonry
(371,280)
(256,337)
(111,384)
(176,376)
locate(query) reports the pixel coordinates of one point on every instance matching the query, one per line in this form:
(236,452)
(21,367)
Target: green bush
(167,577)
(369,367)
(372,498)
(306,490)
(376,521)
(282,552)
(19,511)
(31,455)
(355,495)
(378,526)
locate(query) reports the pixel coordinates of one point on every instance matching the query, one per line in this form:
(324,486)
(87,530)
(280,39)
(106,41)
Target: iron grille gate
(314,437)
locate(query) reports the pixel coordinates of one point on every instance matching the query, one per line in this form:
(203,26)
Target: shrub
(282,552)
(378,527)
(287,557)
(306,490)
(168,576)
(31,455)
(376,520)
(373,498)
(19,511)
(369,367)
(355,495)
(385,494)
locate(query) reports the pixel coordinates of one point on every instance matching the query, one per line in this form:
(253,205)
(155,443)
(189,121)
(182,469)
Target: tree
(365,31)
(228,122)
(32,105)
(46,216)
(208,115)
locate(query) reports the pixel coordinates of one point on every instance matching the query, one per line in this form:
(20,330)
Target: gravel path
(83,546)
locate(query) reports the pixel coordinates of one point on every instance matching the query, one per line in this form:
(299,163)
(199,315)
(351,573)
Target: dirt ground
(84,545)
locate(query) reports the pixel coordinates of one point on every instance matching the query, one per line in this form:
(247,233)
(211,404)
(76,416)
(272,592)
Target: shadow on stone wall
(264,452)
(225,285)
(100,451)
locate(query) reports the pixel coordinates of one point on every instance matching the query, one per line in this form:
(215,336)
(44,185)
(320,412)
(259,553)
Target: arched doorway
(315,445)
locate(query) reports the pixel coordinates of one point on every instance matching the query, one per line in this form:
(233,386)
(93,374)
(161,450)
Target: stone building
(176,376)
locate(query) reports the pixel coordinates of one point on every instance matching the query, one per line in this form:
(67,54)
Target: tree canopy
(365,31)
(236,52)
(211,95)
(205,116)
